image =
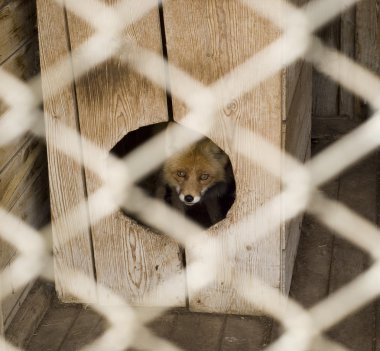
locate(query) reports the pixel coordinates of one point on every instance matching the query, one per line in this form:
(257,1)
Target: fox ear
(216,152)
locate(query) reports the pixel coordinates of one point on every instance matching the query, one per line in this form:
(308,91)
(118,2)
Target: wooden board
(23,191)
(246,333)
(16,178)
(310,283)
(194,331)
(347,100)
(356,191)
(297,135)
(87,327)
(130,259)
(367,44)
(208,39)
(22,64)
(32,207)
(25,323)
(326,90)
(17,23)
(368,34)
(13,302)
(292,75)
(54,326)
(65,176)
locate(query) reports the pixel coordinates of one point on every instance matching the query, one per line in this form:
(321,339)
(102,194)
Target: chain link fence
(303,329)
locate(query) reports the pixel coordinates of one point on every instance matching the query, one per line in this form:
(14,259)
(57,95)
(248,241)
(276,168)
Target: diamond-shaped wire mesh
(127,326)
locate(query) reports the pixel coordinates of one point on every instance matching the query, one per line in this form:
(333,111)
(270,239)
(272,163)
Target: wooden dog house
(207,39)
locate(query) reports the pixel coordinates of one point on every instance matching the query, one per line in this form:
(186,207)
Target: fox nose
(189,198)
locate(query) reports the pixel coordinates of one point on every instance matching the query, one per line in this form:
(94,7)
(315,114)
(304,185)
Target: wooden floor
(324,263)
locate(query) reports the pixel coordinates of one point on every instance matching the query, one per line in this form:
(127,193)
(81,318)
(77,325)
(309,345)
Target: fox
(199,178)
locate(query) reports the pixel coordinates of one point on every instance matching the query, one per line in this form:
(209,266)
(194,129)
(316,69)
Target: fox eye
(181,174)
(204,176)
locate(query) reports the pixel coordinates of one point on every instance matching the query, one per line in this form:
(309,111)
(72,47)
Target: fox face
(193,171)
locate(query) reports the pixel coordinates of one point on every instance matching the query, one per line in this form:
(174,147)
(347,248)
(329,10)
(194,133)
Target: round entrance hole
(198,180)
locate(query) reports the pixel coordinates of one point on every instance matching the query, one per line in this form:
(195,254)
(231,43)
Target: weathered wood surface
(23,191)
(310,283)
(1,322)
(53,328)
(128,258)
(88,326)
(368,34)
(296,135)
(26,322)
(198,331)
(326,90)
(292,75)
(67,187)
(12,303)
(347,101)
(22,64)
(245,333)
(226,41)
(356,191)
(18,177)
(367,43)
(17,23)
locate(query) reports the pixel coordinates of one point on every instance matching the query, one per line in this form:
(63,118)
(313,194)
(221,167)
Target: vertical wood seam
(82,170)
(169,98)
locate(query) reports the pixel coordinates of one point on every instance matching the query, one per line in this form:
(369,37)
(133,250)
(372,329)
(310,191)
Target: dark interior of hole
(223,192)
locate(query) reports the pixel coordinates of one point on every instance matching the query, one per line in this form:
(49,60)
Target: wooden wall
(356,33)
(23,169)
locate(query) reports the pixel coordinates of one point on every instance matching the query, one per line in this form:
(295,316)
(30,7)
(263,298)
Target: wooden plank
(126,254)
(22,64)
(30,315)
(26,197)
(292,75)
(208,39)
(12,303)
(357,191)
(367,44)
(291,78)
(246,333)
(87,327)
(1,321)
(347,46)
(163,326)
(310,281)
(298,123)
(331,128)
(17,23)
(65,176)
(325,90)
(23,190)
(377,323)
(297,143)
(194,331)
(21,169)
(54,327)
(368,34)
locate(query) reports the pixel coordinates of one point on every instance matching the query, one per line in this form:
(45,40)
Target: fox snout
(189,199)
